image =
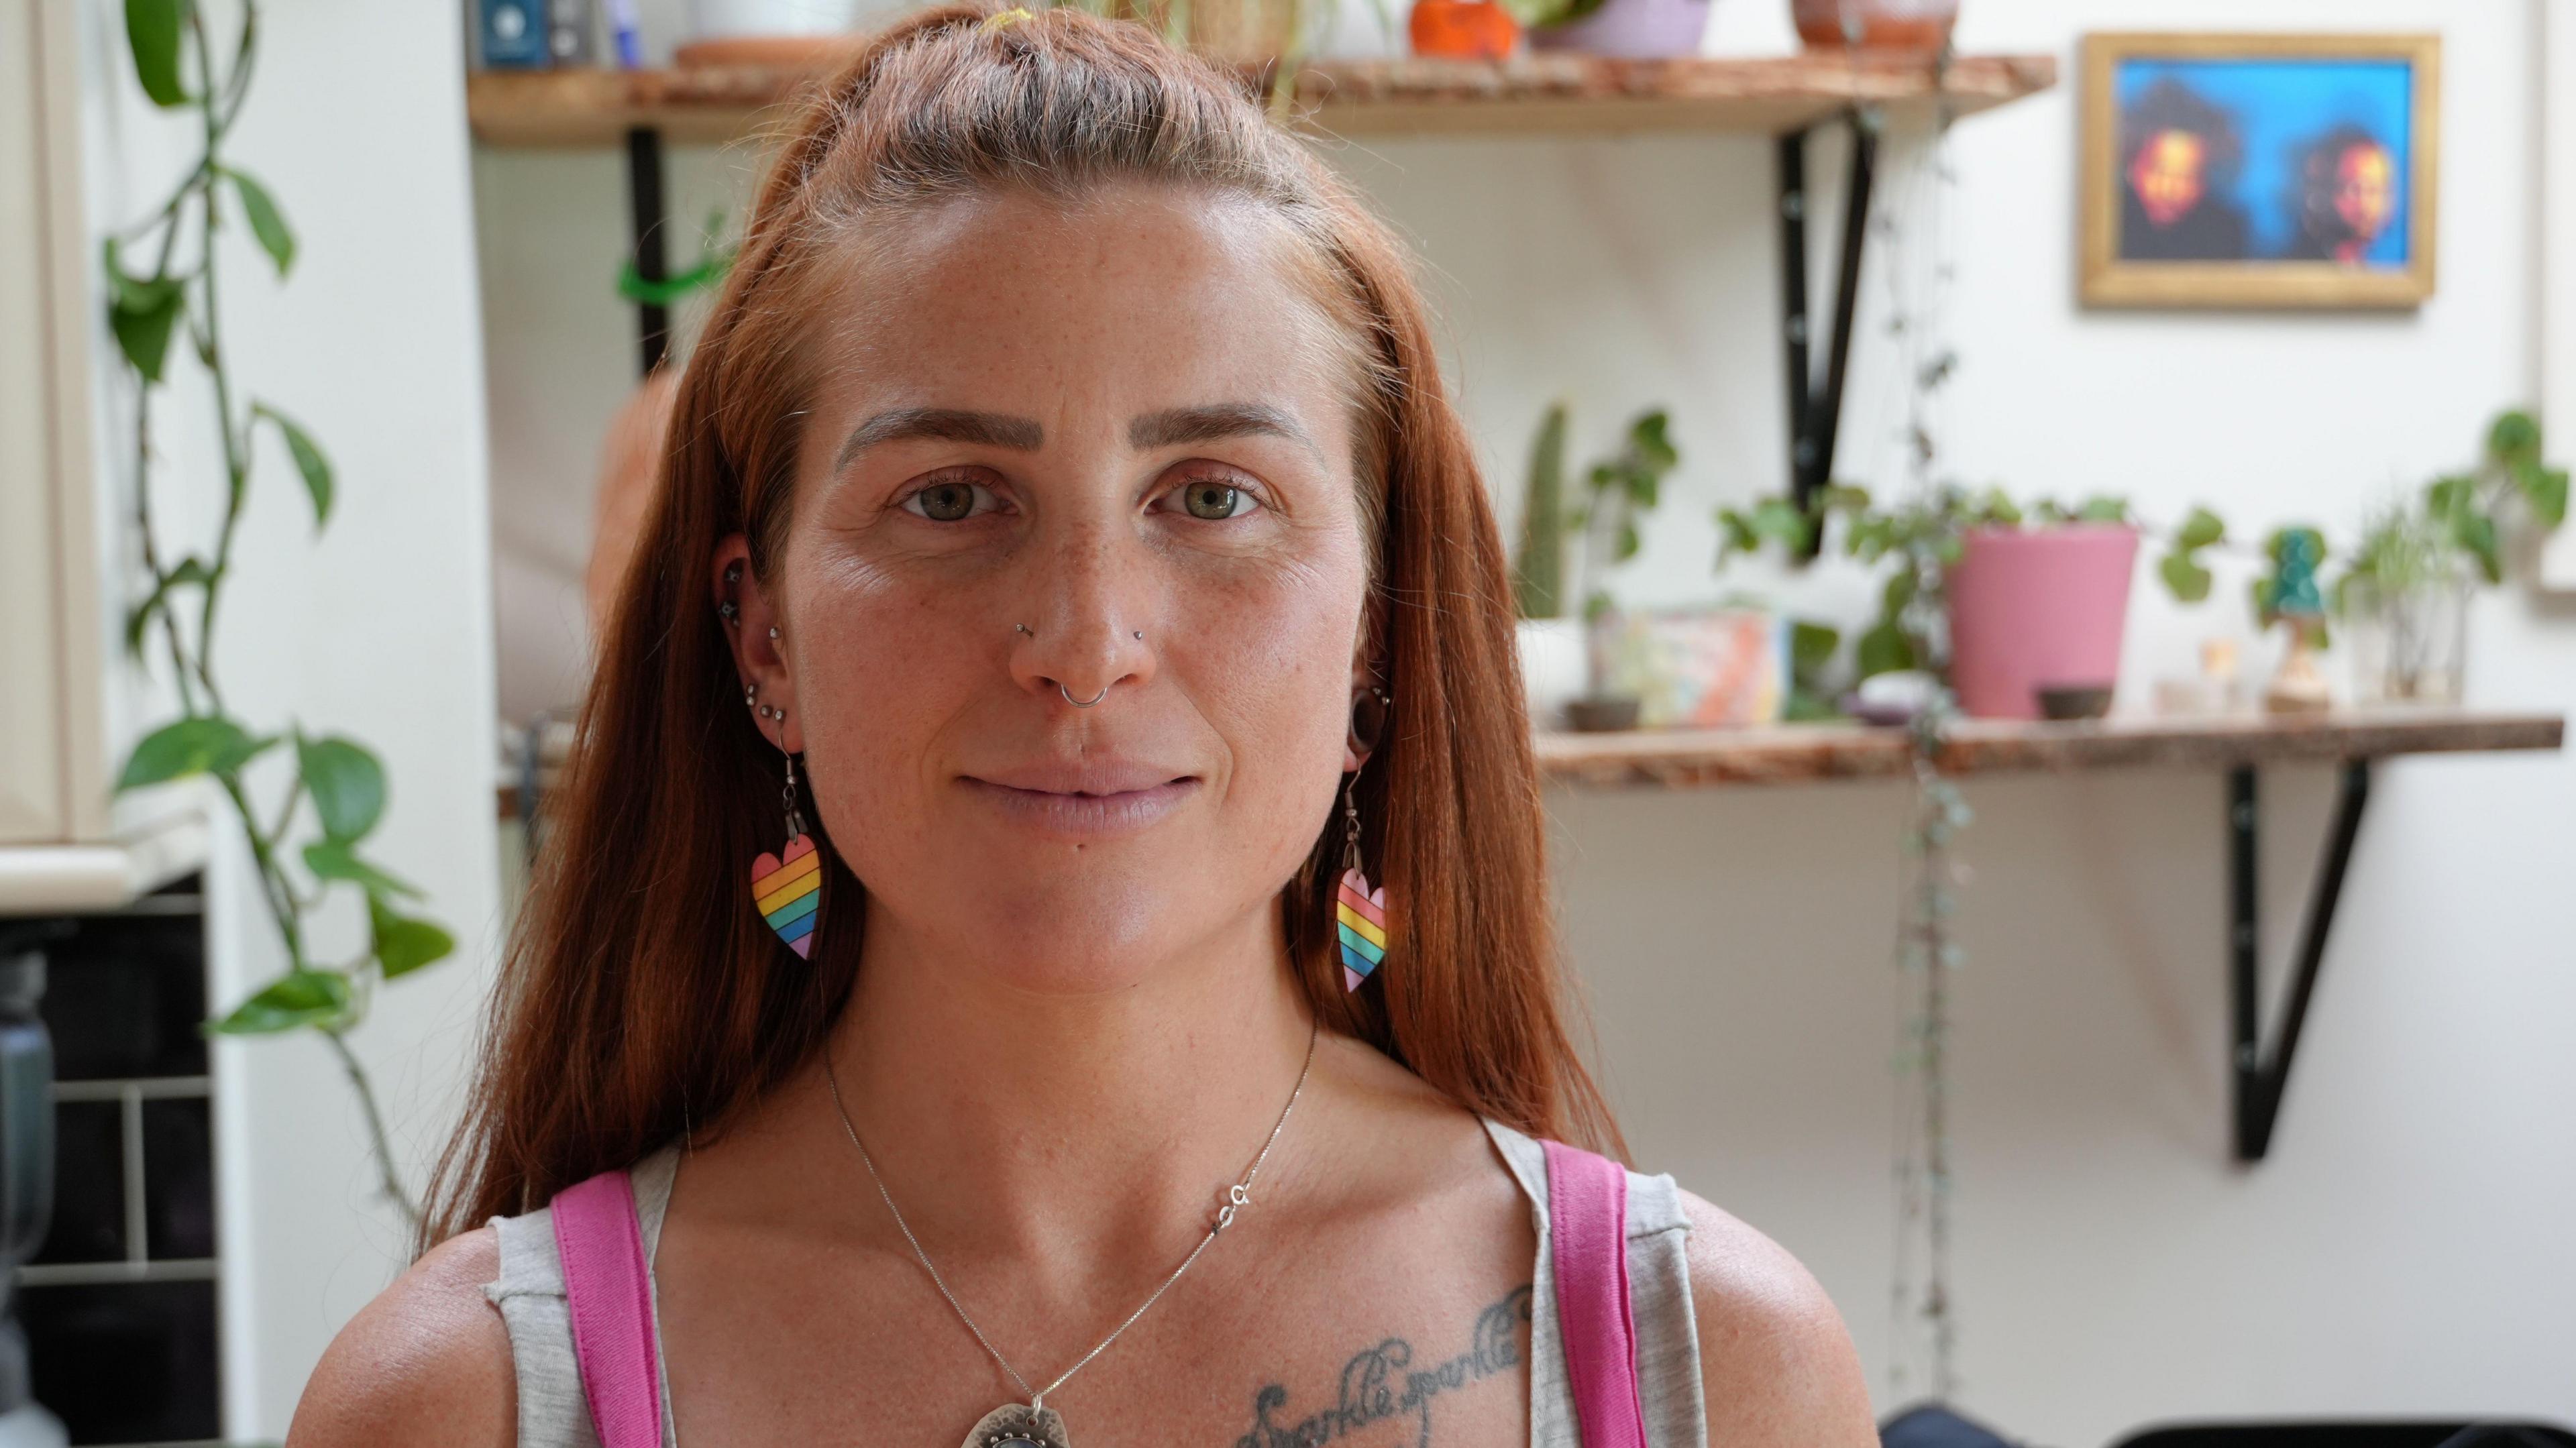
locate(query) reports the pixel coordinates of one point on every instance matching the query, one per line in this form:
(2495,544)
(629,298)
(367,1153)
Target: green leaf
(1779,520)
(2264,593)
(2447,498)
(334,860)
(1629,542)
(2514,437)
(2200,530)
(2274,546)
(404,944)
(142,314)
(632,286)
(1735,534)
(347,784)
(267,223)
(297,998)
(191,571)
(1648,440)
(152,32)
(2103,509)
(1898,592)
(2476,532)
(1997,508)
(199,744)
(1811,645)
(1884,650)
(309,461)
(2185,579)
(2546,490)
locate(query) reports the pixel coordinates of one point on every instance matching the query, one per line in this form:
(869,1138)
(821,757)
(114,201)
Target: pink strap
(1587,1213)
(611,1302)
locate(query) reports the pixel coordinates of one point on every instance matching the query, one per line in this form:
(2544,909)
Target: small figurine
(2291,597)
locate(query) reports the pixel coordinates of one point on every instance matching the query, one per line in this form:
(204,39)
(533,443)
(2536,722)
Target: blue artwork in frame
(2259,170)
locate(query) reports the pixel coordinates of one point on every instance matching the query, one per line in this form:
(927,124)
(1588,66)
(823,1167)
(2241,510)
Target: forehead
(1133,296)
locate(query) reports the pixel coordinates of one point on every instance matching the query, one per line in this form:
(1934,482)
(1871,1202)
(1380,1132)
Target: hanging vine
(182,68)
(1925,534)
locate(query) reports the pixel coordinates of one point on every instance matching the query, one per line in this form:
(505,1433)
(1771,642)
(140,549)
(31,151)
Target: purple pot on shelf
(1631,30)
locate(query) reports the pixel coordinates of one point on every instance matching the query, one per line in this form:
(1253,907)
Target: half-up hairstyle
(641,997)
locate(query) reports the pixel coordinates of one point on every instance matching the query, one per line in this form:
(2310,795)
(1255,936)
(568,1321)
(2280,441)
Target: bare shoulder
(427,1362)
(1775,1359)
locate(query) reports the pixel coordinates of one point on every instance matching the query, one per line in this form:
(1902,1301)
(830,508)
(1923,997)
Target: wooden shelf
(1803,752)
(1547,94)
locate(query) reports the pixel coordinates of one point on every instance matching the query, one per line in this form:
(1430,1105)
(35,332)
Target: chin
(1080,933)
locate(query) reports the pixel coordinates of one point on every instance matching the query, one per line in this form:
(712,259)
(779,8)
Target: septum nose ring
(1139,635)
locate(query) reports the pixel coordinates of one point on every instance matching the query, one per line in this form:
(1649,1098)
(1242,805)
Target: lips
(1085,799)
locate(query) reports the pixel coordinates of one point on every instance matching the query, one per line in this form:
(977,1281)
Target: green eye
(1213,501)
(945,502)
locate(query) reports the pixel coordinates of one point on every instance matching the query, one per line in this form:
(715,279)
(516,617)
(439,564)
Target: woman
(1064,520)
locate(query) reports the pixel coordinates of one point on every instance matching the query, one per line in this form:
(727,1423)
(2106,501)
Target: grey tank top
(530,1295)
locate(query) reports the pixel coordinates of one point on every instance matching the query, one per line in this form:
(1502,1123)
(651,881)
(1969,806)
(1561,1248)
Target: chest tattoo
(1382,1382)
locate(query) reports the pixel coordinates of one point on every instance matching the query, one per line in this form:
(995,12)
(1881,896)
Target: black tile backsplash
(89,1184)
(125,1362)
(178,1178)
(124,997)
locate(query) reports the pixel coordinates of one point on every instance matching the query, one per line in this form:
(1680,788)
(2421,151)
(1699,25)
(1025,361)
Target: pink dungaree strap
(1587,1214)
(610,1300)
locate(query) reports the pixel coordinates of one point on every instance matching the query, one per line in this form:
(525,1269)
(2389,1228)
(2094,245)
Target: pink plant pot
(2037,608)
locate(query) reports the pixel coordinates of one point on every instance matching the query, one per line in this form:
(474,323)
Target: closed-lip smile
(1084,799)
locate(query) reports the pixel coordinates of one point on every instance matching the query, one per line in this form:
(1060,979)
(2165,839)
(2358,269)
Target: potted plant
(2405,593)
(1618,492)
(2027,604)
(1551,645)
(2405,604)
(1875,24)
(1632,29)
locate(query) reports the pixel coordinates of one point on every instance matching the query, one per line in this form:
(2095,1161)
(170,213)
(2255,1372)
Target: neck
(1062,1126)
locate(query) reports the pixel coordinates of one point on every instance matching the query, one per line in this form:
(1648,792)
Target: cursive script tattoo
(1381,1382)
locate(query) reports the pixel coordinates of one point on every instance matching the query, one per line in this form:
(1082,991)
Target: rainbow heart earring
(787,887)
(1358,907)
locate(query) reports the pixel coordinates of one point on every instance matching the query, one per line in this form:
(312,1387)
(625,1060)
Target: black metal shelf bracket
(1816,405)
(2260,1079)
(644,207)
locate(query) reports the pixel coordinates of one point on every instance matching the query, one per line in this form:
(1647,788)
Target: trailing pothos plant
(326,791)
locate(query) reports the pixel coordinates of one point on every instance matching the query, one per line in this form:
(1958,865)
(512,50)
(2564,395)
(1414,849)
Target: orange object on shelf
(1463,29)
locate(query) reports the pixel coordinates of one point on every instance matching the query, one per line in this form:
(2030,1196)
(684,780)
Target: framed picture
(2259,170)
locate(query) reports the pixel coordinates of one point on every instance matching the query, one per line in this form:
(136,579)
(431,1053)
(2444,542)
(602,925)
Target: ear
(757,633)
(1369,718)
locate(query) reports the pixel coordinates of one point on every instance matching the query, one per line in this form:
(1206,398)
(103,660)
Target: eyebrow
(943,424)
(1175,426)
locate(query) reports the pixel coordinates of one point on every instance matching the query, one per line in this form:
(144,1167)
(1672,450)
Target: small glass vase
(2410,642)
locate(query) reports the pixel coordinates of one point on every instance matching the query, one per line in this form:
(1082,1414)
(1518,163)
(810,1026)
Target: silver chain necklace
(1033,1424)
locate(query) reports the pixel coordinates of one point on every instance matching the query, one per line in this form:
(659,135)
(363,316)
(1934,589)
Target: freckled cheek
(1268,658)
(880,664)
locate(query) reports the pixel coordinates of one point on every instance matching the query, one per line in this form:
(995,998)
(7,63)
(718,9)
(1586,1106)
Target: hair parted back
(641,997)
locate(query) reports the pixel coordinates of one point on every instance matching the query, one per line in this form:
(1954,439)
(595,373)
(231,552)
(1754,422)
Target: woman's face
(1057,454)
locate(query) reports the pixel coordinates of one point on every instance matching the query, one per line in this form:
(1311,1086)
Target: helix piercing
(1024,628)
(1082,703)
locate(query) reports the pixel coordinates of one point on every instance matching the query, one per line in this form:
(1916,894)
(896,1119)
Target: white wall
(2405,1249)
(381,628)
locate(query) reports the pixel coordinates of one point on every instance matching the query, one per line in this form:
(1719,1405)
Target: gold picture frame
(2128,201)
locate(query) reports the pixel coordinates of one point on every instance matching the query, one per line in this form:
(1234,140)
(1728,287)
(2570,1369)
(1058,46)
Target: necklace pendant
(1017,1425)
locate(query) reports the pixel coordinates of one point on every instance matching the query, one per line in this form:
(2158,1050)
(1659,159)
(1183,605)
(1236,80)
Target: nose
(1079,637)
